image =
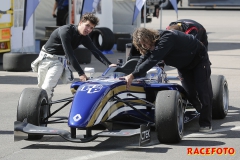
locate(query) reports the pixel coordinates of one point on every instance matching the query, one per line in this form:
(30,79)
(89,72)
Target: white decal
(92,88)
(109,104)
(145,134)
(77,117)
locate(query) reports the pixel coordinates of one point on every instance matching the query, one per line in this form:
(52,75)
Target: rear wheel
(33,106)
(169,116)
(220,97)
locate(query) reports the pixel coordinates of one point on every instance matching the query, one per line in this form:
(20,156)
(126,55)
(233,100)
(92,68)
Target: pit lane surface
(224,51)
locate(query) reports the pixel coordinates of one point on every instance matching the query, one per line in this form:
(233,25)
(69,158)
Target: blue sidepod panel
(92,96)
(86,100)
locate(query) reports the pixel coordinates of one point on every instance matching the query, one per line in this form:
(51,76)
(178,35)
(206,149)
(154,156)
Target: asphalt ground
(224,51)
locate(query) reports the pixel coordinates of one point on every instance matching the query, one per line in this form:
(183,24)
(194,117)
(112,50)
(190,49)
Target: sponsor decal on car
(145,135)
(77,117)
(91,88)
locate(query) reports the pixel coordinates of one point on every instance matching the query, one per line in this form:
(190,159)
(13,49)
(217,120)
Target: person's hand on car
(129,78)
(83,78)
(112,65)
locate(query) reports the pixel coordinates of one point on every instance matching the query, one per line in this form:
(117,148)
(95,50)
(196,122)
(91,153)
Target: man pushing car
(187,54)
(52,63)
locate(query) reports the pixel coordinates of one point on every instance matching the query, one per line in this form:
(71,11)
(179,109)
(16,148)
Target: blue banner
(174,4)
(138,6)
(29,8)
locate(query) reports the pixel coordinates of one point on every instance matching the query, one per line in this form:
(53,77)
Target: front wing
(22,129)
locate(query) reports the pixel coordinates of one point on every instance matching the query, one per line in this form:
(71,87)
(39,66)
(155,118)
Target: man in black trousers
(184,52)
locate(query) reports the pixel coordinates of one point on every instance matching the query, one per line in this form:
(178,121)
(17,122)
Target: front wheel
(169,116)
(220,97)
(33,106)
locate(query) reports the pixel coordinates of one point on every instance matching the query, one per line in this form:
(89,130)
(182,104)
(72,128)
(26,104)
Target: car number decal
(77,117)
(92,88)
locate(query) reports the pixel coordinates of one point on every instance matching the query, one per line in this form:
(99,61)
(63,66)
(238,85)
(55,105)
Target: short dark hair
(90,17)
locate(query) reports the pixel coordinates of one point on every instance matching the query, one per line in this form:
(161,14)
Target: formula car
(103,103)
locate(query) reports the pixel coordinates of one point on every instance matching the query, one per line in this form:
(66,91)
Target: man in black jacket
(52,63)
(192,27)
(187,26)
(184,52)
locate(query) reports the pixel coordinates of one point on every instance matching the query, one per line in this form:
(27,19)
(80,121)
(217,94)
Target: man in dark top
(133,53)
(52,63)
(182,51)
(192,27)
(62,11)
(187,26)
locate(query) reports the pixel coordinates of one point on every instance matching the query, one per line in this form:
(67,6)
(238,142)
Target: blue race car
(104,104)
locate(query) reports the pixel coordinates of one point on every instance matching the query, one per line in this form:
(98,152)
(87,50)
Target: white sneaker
(205,129)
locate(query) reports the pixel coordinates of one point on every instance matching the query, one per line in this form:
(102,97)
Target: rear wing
(214,3)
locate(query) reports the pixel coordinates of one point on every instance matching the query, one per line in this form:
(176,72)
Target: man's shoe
(205,129)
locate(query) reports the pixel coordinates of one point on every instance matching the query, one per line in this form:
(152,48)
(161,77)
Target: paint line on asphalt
(212,132)
(96,155)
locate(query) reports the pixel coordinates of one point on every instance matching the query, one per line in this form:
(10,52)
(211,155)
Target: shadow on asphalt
(6,132)
(101,148)
(221,46)
(118,144)
(219,125)
(18,80)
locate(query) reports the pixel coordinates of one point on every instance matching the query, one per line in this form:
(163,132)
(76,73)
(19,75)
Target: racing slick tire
(220,97)
(107,38)
(169,116)
(121,43)
(33,106)
(18,62)
(120,35)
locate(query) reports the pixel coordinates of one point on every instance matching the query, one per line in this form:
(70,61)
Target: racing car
(102,103)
